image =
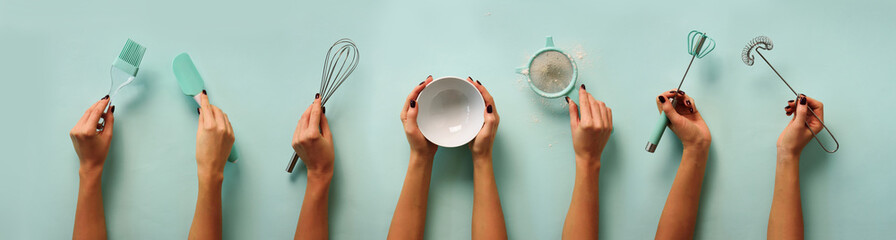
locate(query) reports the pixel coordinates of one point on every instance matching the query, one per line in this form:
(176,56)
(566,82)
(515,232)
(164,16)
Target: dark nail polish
(790,101)
(413,103)
(421,83)
(567,100)
(787,107)
(803,100)
(197,111)
(691,109)
(204,92)
(671,91)
(112,109)
(316,95)
(583,87)
(428,77)
(477,81)
(106,97)
(323,109)
(688,102)
(488,109)
(662,99)
(680,92)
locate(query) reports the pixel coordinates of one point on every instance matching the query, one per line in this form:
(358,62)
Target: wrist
(590,163)
(422,156)
(788,156)
(90,171)
(210,177)
(320,175)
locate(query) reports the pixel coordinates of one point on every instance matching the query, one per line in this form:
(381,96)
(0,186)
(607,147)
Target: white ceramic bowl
(451,111)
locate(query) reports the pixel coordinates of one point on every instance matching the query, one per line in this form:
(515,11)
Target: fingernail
(488,109)
(429,77)
(112,109)
(323,109)
(583,87)
(106,97)
(567,100)
(204,92)
(680,92)
(413,103)
(688,102)
(477,81)
(803,100)
(692,110)
(421,83)
(316,95)
(197,111)
(662,99)
(787,107)
(671,91)
(790,101)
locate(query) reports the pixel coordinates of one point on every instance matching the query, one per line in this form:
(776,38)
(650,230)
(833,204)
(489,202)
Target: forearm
(409,219)
(90,219)
(679,216)
(313,219)
(207,218)
(488,217)
(786,218)
(583,215)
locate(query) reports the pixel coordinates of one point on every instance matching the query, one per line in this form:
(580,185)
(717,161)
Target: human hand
(419,144)
(313,141)
(90,139)
(684,119)
(481,146)
(591,125)
(795,136)
(214,139)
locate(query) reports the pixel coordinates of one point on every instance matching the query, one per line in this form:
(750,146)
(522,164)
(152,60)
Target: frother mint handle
(658,131)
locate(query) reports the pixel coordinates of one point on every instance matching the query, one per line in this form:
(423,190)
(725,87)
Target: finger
(596,112)
(325,126)
(663,98)
(585,108)
(669,109)
(485,94)
(690,103)
(573,113)
(491,120)
(109,123)
(219,117)
(816,106)
(605,114)
(96,111)
(87,112)
(303,121)
(227,123)
(205,108)
(413,96)
(610,117)
(801,110)
(314,118)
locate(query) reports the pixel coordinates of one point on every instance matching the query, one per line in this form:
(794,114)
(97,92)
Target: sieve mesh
(551,71)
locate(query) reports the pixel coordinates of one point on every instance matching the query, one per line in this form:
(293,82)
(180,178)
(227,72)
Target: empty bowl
(451,111)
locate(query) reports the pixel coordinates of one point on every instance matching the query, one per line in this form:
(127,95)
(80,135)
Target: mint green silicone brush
(124,68)
(191,84)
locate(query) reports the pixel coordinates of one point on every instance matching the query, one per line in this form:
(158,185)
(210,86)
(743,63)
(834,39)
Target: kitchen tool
(450,111)
(699,45)
(551,72)
(765,43)
(191,84)
(124,69)
(338,65)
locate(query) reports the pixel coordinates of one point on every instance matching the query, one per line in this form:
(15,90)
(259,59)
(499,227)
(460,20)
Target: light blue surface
(262,60)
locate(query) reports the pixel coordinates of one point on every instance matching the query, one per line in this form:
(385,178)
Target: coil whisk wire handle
(341,60)
(338,65)
(765,43)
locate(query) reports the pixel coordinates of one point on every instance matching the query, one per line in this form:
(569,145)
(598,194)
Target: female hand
(684,119)
(90,139)
(482,144)
(214,138)
(795,136)
(419,144)
(313,141)
(591,124)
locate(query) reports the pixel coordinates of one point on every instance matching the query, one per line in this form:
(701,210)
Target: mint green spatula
(191,84)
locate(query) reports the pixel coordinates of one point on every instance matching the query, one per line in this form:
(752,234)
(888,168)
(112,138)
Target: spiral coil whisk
(765,43)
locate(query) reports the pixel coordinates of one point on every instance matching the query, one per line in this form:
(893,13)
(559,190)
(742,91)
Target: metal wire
(765,43)
(346,59)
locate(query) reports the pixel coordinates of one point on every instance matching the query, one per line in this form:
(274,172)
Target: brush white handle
(198,99)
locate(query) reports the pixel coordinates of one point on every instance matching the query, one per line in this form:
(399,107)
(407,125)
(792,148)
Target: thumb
(413,108)
(110,122)
(670,111)
(801,110)
(573,113)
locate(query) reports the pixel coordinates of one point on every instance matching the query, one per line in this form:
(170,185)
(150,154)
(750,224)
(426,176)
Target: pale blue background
(262,60)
